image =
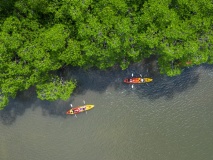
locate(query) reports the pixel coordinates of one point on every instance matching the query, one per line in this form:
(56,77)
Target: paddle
(84,106)
(73,111)
(71,107)
(132,84)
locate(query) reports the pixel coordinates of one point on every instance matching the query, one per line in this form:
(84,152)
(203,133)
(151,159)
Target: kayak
(80,109)
(137,80)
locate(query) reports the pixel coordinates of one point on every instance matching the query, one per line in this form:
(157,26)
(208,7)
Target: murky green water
(169,119)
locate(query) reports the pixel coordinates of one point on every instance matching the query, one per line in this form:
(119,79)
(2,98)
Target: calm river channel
(169,119)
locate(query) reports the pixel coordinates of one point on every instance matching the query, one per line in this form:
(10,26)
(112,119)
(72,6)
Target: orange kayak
(80,109)
(137,80)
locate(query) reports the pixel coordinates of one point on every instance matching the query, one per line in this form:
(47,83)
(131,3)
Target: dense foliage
(38,37)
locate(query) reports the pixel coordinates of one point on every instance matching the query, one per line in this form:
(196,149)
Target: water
(170,118)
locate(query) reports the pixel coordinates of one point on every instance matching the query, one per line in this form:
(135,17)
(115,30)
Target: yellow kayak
(80,109)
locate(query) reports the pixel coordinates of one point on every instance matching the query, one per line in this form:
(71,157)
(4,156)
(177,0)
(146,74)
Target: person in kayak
(75,111)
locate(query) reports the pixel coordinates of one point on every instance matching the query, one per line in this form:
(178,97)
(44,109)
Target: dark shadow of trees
(17,106)
(98,81)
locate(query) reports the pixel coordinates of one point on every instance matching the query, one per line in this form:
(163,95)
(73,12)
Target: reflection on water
(170,118)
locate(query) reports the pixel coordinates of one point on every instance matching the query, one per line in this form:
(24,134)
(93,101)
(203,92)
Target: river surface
(169,119)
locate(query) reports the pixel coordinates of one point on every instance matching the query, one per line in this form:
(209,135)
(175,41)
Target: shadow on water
(28,100)
(98,81)
(164,86)
(17,106)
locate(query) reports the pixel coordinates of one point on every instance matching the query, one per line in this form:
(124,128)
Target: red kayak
(136,80)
